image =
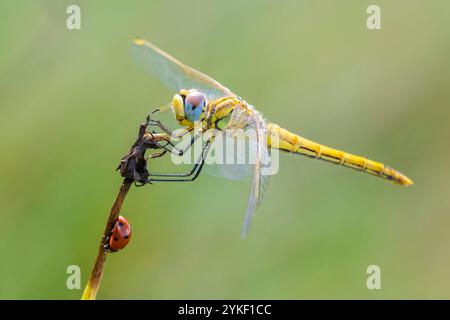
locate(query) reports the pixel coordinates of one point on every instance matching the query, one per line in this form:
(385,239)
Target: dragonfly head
(189,105)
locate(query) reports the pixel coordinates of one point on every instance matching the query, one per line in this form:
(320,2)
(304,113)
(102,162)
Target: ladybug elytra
(120,235)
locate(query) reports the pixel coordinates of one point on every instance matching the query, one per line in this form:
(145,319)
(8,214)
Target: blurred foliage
(71,102)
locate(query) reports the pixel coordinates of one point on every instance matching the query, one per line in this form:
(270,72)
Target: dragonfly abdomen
(285,140)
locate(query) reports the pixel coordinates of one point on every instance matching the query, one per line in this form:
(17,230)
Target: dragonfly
(201,99)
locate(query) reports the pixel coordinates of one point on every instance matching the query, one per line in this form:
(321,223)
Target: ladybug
(120,235)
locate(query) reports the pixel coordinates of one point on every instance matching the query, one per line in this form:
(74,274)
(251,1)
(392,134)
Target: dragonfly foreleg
(182,133)
(157,155)
(180,152)
(157,123)
(184,177)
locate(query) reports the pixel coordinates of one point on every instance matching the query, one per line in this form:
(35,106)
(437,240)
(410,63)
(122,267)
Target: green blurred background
(71,101)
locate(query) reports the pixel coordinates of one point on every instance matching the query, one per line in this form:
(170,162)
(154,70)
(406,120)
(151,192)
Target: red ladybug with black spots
(120,235)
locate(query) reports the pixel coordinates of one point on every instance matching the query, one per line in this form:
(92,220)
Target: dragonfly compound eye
(194,104)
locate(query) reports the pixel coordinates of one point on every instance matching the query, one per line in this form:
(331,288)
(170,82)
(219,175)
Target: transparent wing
(245,125)
(174,74)
(229,171)
(228,156)
(247,118)
(259,185)
(264,176)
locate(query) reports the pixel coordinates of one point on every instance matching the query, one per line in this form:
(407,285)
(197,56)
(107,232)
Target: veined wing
(173,73)
(251,119)
(229,155)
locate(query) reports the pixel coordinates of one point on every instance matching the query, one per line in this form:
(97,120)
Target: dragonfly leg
(183,177)
(180,152)
(176,151)
(157,123)
(157,155)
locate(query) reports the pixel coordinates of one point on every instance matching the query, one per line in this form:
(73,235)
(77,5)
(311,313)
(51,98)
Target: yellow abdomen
(282,139)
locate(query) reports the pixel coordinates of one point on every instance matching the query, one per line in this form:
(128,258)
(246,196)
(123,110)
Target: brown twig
(133,167)
(90,292)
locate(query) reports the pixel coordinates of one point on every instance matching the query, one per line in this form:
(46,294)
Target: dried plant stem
(133,166)
(91,289)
